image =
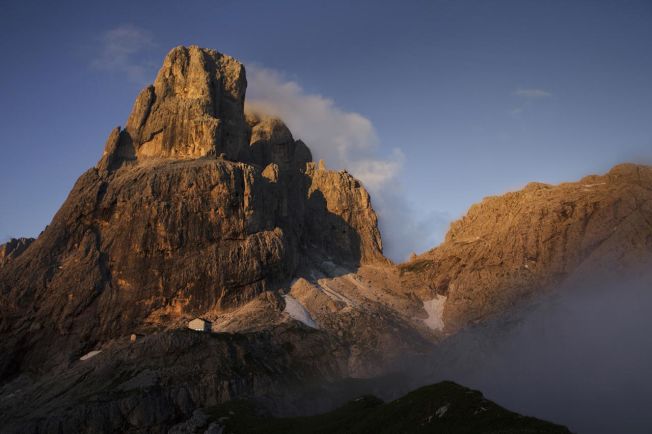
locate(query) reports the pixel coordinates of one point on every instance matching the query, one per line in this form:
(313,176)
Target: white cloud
(123,51)
(348,140)
(338,137)
(532,93)
(376,173)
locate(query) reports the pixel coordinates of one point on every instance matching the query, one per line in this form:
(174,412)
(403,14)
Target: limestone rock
(271,172)
(115,152)
(272,143)
(194,108)
(510,247)
(13,248)
(351,226)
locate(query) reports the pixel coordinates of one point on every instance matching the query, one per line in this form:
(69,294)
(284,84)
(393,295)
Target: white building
(200,325)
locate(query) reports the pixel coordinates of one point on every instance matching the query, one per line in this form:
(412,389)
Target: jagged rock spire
(194,108)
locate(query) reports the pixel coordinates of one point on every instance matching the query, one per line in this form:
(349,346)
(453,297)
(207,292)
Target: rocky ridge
(443,407)
(511,247)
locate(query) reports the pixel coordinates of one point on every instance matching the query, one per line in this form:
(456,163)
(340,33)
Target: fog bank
(580,358)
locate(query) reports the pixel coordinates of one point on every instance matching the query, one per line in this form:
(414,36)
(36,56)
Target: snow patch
(296,311)
(90,354)
(441,411)
(435,310)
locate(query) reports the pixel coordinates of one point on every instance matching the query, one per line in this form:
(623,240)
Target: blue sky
(436,104)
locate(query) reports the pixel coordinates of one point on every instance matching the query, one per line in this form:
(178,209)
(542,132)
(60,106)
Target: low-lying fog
(581,358)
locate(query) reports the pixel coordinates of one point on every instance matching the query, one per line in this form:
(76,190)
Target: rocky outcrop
(510,247)
(350,229)
(272,143)
(13,248)
(195,108)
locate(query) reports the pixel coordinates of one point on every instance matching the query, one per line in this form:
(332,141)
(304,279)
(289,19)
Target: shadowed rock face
(272,143)
(510,247)
(349,207)
(150,385)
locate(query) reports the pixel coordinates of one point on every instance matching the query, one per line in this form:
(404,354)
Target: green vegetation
(444,408)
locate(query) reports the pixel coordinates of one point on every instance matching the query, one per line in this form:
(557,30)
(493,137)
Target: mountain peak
(195,108)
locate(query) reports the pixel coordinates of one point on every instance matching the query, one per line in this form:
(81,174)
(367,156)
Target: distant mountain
(199,209)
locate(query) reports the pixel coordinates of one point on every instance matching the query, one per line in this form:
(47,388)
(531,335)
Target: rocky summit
(195,108)
(200,210)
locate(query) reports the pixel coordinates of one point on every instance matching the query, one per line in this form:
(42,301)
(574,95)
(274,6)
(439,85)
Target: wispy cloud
(343,139)
(528,97)
(124,50)
(532,93)
(347,140)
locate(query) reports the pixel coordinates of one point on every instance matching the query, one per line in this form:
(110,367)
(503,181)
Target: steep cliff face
(351,227)
(195,108)
(513,246)
(193,207)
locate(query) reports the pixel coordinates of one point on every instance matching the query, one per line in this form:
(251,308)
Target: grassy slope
(421,411)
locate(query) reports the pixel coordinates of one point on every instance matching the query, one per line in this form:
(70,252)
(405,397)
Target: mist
(580,357)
